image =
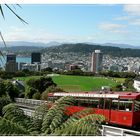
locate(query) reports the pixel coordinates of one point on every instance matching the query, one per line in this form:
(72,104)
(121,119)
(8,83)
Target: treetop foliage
(41,84)
(53,121)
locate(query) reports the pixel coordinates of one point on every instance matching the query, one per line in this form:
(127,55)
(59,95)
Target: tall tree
(41,84)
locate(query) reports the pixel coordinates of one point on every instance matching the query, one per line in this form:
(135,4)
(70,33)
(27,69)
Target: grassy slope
(80,83)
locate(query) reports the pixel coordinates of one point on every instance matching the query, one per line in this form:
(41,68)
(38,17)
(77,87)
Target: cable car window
(121,106)
(137,106)
(76,101)
(87,102)
(125,105)
(101,103)
(50,98)
(82,102)
(114,105)
(93,103)
(128,107)
(79,101)
(53,98)
(107,103)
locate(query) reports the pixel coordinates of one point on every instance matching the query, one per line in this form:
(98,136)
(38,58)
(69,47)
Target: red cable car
(121,108)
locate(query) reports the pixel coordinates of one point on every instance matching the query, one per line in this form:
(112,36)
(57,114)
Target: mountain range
(82,48)
(24,43)
(121,45)
(25,48)
(54,43)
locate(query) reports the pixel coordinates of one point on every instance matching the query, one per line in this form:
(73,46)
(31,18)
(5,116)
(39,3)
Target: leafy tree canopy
(41,84)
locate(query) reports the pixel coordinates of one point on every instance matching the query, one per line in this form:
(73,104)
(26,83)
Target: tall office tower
(11,57)
(11,65)
(36,57)
(96,61)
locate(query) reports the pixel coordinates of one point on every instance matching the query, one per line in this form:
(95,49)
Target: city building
(21,65)
(65,59)
(96,61)
(73,67)
(36,57)
(50,64)
(11,64)
(31,67)
(116,68)
(11,57)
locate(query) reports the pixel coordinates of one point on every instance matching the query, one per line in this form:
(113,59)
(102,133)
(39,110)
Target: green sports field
(80,83)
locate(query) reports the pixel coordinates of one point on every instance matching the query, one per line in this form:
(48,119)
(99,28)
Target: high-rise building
(11,65)
(11,57)
(36,57)
(96,61)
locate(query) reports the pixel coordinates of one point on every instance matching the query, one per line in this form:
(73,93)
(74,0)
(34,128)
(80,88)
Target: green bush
(4,100)
(36,96)
(41,84)
(117,88)
(8,89)
(44,95)
(21,95)
(2,88)
(30,92)
(11,90)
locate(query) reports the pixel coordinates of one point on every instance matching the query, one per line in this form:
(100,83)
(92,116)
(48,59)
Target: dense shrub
(44,95)
(41,84)
(4,100)
(117,88)
(36,96)
(8,89)
(12,90)
(30,92)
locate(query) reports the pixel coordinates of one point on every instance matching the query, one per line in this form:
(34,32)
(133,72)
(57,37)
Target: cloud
(130,20)
(131,15)
(133,9)
(135,22)
(41,35)
(122,18)
(113,27)
(17,34)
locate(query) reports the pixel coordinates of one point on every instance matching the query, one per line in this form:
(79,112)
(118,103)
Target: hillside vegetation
(82,48)
(78,48)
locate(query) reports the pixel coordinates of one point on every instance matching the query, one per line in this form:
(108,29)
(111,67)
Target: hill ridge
(82,48)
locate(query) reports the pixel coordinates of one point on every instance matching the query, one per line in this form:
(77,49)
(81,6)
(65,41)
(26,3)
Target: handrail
(29,101)
(122,132)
